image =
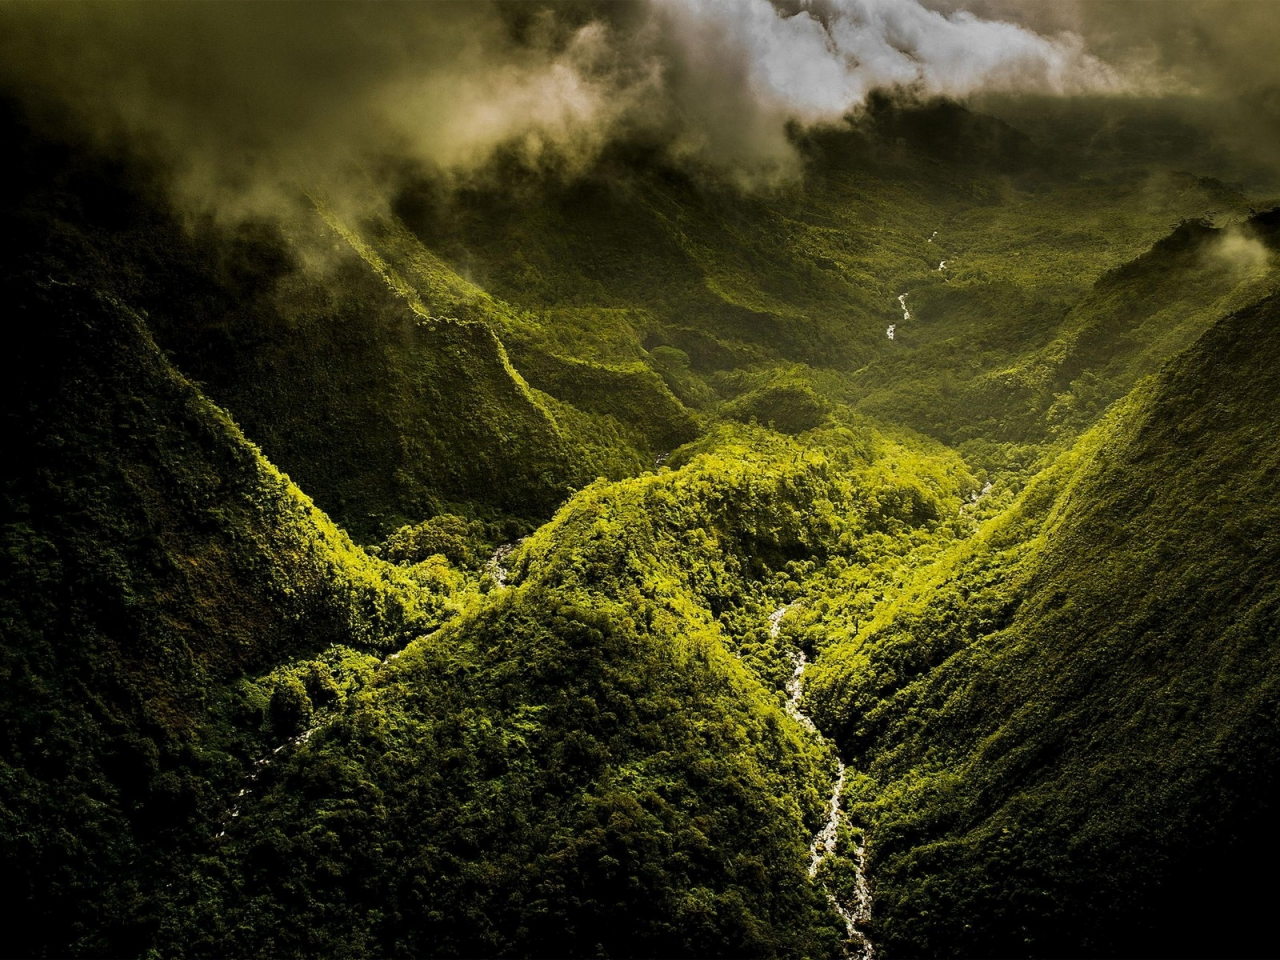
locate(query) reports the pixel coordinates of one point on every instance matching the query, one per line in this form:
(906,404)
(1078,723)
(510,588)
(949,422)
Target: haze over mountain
(247,103)
(639,479)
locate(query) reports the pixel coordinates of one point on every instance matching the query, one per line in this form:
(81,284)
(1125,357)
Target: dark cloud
(250,97)
(1210,47)
(737,74)
(1212,64)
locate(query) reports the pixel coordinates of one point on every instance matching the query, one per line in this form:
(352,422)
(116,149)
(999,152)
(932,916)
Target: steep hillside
(653,465)
(354,387)
(615,407)
(150,556)
(363,389)
(1067,731)
(579,765)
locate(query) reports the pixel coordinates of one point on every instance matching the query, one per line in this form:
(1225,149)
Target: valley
(629,562)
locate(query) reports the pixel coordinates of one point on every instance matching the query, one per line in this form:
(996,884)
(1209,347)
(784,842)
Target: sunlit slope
(646,265)
(149,555)
(577,766)
(611,401)
(580,764)
(551,777)
(1070,728)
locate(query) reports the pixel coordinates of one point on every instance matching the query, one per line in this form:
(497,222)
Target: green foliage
(290,708)
(1047,651)
(462,542)
(602,797)
(633,395)
(789,408)
(148,555)
(589,771)
(577,763)
(1076,709)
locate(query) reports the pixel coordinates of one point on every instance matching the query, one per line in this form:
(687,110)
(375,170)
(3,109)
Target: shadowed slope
(149,555)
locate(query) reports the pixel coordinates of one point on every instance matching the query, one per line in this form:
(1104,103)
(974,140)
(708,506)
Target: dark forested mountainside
(362,398)
(636,477)
(151,560)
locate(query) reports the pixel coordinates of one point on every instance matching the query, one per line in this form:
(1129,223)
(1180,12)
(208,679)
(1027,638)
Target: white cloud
(326,88)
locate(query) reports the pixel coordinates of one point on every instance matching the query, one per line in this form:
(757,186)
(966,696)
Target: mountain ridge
(629,464)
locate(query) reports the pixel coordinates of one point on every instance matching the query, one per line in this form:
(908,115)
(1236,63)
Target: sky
(244,97)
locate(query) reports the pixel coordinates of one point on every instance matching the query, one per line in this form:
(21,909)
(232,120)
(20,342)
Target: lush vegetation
(603,456)
(1074,714)
(151,559)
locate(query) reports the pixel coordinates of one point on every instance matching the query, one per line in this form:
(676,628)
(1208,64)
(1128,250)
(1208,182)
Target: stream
(906,315)
(824,842)
(497,564)
(855,914)
(976,497)
(258,765)
(267,759)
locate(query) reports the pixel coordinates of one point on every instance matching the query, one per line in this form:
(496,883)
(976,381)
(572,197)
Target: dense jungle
(607,550)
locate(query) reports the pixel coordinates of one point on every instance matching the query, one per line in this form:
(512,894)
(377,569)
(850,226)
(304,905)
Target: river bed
(857,913)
